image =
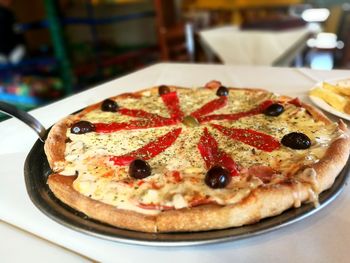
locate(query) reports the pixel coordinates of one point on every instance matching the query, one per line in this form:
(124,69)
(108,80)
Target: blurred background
(50,49)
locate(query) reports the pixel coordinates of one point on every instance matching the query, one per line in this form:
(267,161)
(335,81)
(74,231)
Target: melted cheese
(98,178)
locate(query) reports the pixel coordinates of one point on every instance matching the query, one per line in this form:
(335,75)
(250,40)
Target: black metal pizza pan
(37,170)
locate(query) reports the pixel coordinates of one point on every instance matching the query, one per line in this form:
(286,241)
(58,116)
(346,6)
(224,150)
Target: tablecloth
(323,237)
(251,47)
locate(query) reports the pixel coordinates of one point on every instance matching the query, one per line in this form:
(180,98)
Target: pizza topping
(147,120)
(296,140)
(150,150)
(198,157)
(139,169)
(109,105)
(155,207)
(222,91)
(133,125)
(214,84)
(274,110)
(179,201)
(82,127)
(177,176)
(296,102)
(142,114)
(190,121)
(200,200)
(235,116)
(172,102)
(263,172)
(163,89)
(217,177)
(253,138)
(212,155)
(210,107)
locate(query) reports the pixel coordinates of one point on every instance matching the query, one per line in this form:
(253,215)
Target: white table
(254,47)
(323,237)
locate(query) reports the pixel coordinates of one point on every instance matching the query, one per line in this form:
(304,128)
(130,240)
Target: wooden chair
(175,37)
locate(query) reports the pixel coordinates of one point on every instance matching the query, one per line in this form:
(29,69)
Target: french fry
(332,98)
(337,89)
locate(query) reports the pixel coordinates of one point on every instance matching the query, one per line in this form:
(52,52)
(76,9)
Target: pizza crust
(55,143)
(264,201)
(62,187)
(328,168)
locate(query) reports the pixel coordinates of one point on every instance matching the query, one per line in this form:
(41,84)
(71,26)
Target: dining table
(233,45)
(27,234)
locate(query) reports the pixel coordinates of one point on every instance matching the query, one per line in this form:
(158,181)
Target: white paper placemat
(323,237)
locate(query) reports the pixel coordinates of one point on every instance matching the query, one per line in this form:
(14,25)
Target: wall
(133,32)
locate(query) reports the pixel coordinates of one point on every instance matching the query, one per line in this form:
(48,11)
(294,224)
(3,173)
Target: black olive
(163,90)
(109,105)
(217,177)
(139,169)
(296,140)
(274,110)
(222,91)
(82,127)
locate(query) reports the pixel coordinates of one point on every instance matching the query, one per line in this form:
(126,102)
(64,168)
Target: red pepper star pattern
(207,146)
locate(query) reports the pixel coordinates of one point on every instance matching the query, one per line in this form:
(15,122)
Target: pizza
(169,159)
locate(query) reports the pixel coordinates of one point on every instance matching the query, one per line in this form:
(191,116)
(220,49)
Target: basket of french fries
(333,97)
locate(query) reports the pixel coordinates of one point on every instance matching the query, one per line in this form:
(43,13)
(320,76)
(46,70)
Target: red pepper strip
(253,138)
(177,176)
(171,101)
(296,101)
(132,125)
(212,155)
(236,116)
(150,150)
(210,107)
(140,114)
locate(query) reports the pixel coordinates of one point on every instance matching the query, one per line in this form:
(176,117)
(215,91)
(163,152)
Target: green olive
(190,121)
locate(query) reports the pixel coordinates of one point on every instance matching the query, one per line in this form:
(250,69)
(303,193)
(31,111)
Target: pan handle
(24,117)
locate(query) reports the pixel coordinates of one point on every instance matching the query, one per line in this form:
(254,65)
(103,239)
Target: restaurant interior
(58,57)
(62,47)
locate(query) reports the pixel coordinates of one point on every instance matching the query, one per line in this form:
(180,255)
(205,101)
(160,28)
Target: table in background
(234,46)
(323,237)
